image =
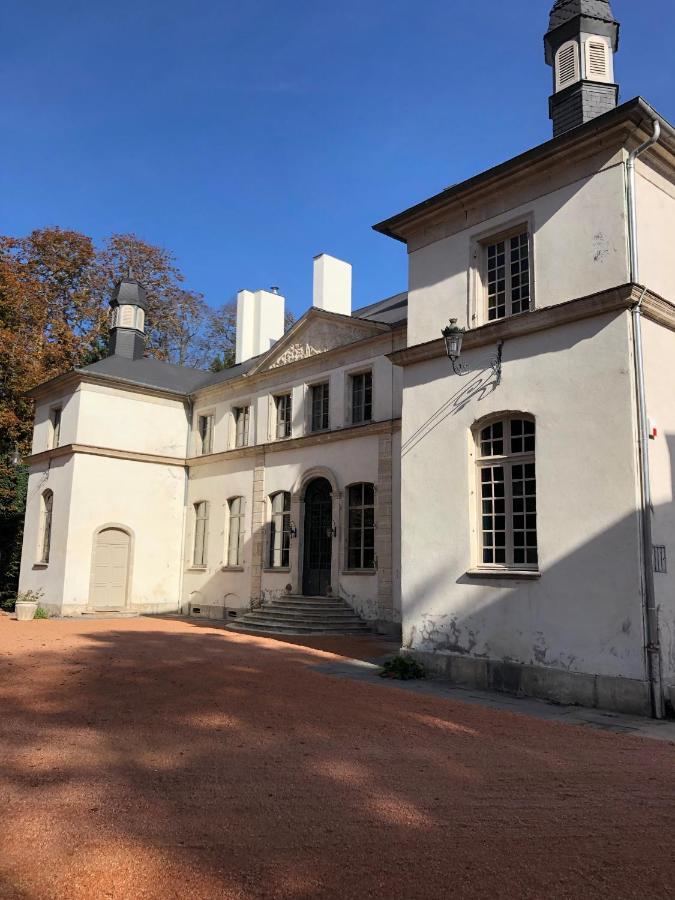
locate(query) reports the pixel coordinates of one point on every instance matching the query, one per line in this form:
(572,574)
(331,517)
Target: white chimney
(260,322)
(332,284)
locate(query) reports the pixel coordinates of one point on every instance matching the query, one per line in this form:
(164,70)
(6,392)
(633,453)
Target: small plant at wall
(41,613)
(405,668)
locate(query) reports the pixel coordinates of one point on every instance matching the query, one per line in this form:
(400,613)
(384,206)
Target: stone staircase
(294,614)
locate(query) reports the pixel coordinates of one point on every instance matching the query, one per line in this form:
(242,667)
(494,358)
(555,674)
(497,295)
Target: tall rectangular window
(201,533)
(284,410)
(235,537)
(361,527)
(362,397)
(55,423)
(280,531)
(319,405)
(46,526)
(508,494)
(508,276)
(241,421)
(205,428)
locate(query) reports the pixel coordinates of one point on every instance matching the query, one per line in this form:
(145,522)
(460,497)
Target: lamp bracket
(495,364)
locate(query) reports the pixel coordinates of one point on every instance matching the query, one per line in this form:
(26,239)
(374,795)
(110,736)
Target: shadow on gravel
(205,764)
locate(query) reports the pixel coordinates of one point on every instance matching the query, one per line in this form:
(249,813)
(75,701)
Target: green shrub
(41,613)
(405,668)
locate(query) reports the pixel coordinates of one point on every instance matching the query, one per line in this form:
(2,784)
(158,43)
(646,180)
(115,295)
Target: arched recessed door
(318,538)
(110,575)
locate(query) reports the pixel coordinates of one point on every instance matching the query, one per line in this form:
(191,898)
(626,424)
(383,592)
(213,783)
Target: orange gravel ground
(150,758)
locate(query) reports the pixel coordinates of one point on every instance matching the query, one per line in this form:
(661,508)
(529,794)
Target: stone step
(320,610)
(261,615)
(274,628)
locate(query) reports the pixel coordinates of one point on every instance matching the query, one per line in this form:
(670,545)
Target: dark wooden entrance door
(318,543)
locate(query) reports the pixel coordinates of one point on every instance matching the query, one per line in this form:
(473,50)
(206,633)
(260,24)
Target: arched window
(361,526)
(46,526)
(567,65)
(507,486)
(235,538)
(280,531)
(201,533)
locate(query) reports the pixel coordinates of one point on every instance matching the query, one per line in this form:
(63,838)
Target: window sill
(359,571)
(196,568)
(41,565)
(509,574)
(277,569)
(231,568)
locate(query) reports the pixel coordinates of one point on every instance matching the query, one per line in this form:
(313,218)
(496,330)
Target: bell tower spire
(580,44)
(127,326)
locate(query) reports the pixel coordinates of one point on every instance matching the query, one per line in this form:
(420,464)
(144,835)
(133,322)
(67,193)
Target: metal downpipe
(652,645)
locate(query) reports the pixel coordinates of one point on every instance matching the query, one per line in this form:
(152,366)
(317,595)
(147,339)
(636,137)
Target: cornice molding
(620,298)
(90,450)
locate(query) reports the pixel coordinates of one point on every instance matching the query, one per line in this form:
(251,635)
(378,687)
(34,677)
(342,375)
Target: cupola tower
(127,324)
(581,41)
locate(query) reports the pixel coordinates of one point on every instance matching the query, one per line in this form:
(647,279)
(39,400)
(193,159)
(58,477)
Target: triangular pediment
(315,333)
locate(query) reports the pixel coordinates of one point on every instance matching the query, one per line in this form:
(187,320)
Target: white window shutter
(567,65)
(597,68)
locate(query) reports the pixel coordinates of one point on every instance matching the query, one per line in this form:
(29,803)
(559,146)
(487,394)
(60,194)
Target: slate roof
(564,10)
(154,373)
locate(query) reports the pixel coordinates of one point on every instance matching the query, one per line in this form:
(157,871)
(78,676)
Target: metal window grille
(508,494)
(508,276)
(660,559)
(319,407)
(361,527)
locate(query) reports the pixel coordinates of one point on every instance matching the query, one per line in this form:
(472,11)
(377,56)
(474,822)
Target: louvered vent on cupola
(597,68)
(567,65)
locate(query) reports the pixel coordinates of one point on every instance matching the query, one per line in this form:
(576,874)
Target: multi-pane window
(241,418)
(319,400)
(284,407)
(235,538)
(201,533)
(508,276)
(361,527)
(55,420)
(280,531)
(205,428)
(46,526)
(508,494)
(362,397)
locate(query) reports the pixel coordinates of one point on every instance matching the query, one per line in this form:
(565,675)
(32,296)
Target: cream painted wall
(584,614)
(655,198)
(146,499)
(69,403)
(110,417)
(659,355)
(592,256)
(34,576)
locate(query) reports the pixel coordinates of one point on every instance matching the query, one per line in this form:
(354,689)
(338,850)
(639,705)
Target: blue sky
(248,137)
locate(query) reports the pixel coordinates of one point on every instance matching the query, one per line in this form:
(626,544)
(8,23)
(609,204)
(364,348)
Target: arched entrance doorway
(318,538)
(110,569)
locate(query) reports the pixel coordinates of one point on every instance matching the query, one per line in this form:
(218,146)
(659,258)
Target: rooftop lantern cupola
(127,325)
(581,41)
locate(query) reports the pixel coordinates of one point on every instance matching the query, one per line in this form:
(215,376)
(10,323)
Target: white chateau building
(534,469)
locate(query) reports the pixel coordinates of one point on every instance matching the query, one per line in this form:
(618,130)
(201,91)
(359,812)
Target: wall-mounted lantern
(453,336)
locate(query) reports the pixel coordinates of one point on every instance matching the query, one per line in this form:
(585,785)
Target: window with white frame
(319,407)
(361,397)
(361,526)
(507,488)
(280,531)
(241,422)
(46,510)
(507,275)
(55,426)
(205,429)
(283,404)
(201,514)
(236,507)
